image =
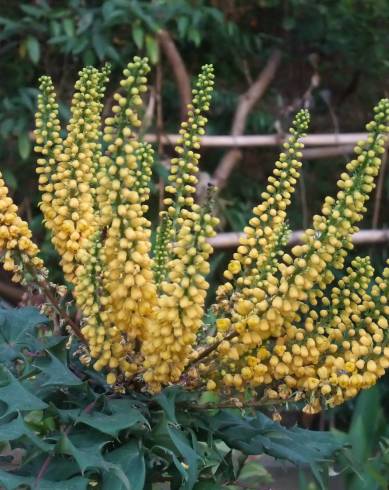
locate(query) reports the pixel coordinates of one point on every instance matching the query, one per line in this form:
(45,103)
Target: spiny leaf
(259,434)
(166,399)
(15,396)
(123,416)
(56,372)
(13,482)
(169,398)
(188,453)
(173,443)
(16,429)
(18,328)
(91,458)
(131,459)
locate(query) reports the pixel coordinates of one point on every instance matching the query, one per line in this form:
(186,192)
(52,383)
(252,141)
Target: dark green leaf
(33,49)
(55,28)
(18,329)
(27,98)
(16,429)
(85,458)
(89,57)
(12,183)
(112,54)
(15,396)
(194,36)
(138,35)
(85,21)
(259,434)
(167,400)
(140,13)
(182,24)
(253,473)
(188,453)
(99,44)
(82,43)
(367,424)
(161,171)
(131,459)
(90,457)
(24,145)
(123,416)
(152,49)
(110,11)
(68,26)
(6,127)
(32,10)
(170,455)
(56,372)
(13,482)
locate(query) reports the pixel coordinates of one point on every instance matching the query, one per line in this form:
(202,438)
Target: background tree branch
(246,104)
(180,72)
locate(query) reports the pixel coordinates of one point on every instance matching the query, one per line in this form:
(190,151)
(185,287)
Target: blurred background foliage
(335,60)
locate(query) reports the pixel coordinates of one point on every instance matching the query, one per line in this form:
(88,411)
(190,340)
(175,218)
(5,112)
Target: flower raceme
(18,252)
(280,330)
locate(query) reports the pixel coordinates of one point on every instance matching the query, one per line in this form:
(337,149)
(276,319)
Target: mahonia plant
(278,330)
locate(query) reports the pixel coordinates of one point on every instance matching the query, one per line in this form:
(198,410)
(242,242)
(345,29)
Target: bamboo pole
(323,139)
(362,237)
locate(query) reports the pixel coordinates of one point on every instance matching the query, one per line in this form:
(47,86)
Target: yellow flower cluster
(267,231)
(169,342)
(280,331)
(274,332)
(127,295)
(184,168)
(18,252)
(66,169)
(94,202)
(182,253)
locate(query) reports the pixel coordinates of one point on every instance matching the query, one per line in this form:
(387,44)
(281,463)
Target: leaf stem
(62,313)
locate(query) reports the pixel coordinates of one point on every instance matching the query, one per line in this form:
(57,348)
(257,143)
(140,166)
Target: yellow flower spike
(128,294)
(266,232)
(126,161)
(299,280)
(265,237)
(182,298)
(184,168)
(330,239)
(74,222)
(18,252)
(327,243)
(48,143)
(346,347)
(70,211)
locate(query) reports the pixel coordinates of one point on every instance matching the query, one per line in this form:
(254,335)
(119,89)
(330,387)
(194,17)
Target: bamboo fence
(362,237)
(230,141)
(325,145)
